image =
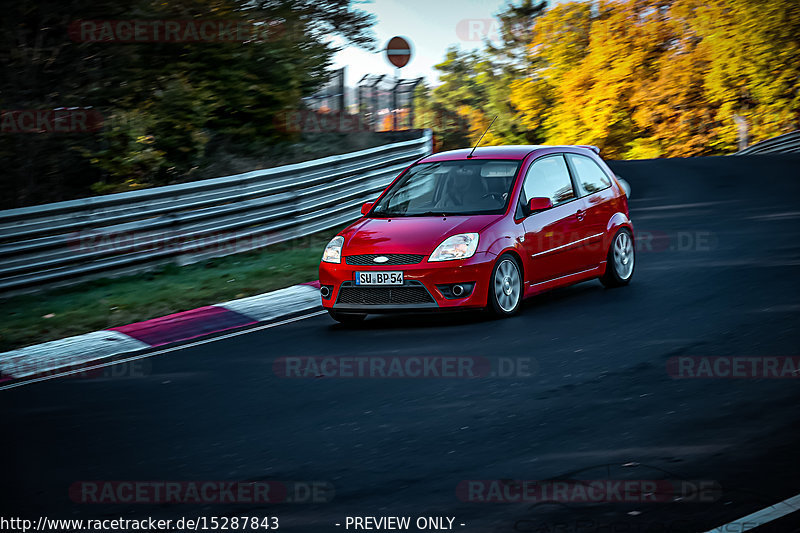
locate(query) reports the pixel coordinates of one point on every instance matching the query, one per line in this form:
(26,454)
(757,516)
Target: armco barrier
(111,235)
(788,142)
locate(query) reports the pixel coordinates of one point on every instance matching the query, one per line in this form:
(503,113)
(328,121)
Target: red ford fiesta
(481,229)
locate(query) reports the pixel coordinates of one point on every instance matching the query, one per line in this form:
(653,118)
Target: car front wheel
(505,287)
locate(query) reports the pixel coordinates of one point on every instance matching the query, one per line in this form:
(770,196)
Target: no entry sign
(398,52)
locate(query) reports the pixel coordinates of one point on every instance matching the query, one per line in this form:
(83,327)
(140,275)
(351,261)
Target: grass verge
(105,303)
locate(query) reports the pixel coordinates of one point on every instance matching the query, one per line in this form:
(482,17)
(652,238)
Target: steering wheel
(496,196)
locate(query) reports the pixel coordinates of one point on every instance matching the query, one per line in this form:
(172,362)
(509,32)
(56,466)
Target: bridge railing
(111,235)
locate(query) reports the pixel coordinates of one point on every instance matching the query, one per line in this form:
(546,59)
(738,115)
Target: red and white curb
(75,352)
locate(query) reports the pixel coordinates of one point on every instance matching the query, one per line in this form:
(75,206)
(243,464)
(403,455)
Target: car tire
(620,261)
(347,318)
(505,287)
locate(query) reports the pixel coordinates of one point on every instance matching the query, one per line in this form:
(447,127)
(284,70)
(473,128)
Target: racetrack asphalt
(718,258)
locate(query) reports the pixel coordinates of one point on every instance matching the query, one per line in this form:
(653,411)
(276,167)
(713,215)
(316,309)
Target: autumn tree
(638,78)
(754,63)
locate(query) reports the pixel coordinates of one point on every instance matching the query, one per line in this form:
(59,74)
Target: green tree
(169,106)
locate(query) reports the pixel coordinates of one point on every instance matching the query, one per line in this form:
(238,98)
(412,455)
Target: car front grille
(394,259)
(405,295)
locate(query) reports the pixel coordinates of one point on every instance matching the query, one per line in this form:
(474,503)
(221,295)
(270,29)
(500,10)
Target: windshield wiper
(406,214)
(388,213)
(428,214)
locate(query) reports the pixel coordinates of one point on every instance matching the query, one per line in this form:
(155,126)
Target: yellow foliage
(650,78)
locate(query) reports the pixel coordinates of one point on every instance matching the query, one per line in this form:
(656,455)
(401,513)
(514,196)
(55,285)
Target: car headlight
(333,252)
(459,246)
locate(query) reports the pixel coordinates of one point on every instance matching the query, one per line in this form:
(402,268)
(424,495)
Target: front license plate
(379,278)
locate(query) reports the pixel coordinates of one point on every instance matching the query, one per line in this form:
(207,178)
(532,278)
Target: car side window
(590,176)
(548,177)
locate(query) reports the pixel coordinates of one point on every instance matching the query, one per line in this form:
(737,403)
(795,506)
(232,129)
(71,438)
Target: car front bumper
(424,286)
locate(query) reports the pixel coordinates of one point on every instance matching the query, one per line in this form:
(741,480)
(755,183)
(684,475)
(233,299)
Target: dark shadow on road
(437,319)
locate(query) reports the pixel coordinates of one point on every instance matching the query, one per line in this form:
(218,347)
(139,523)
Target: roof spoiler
(593,148)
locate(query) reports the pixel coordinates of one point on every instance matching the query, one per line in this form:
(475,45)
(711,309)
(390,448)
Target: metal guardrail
(788,142)
(105,236)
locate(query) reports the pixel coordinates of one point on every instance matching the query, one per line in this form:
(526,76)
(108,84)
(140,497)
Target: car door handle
(580,214)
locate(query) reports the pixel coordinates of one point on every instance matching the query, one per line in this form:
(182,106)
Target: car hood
(408,235)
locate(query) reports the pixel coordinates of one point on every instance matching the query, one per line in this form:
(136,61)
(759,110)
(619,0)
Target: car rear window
(590,176)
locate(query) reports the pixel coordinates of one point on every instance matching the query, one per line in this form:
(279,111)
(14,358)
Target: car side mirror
(539,204)
(366,207)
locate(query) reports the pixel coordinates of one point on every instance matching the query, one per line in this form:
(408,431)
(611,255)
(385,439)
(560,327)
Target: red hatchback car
(481,229)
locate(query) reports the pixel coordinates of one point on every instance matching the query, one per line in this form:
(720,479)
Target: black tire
(347,318)
(500,305)
(617,273)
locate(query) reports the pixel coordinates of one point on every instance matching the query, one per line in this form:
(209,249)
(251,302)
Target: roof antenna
(479,140)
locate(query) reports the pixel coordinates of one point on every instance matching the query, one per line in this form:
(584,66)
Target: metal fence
(330,97)
(105,236)
(386,103)
(788,142)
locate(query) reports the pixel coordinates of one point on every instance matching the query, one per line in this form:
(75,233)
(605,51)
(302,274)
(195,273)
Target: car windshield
(471,187)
